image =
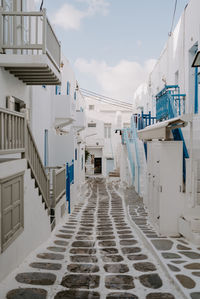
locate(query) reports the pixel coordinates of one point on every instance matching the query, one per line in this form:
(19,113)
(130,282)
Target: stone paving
(180,258)
(98,254)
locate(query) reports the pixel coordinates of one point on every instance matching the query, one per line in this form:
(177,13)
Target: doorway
(109,165)
(97,165)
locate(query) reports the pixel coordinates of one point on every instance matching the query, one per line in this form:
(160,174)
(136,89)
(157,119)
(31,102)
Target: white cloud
(119,81)
(69,17)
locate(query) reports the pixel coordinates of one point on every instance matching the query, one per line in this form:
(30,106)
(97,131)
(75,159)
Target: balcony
(29,48)
(80,122)
(64,107)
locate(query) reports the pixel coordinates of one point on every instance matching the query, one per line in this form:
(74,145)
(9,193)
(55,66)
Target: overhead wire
(109,100)
(109,103)
(102,96)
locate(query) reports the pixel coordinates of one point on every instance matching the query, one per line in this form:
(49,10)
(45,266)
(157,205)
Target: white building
(172,92)
(101,135)
(42,121)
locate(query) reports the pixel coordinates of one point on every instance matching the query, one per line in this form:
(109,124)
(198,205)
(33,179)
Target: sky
(112,45)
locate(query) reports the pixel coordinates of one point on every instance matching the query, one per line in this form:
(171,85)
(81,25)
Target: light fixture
(196,62)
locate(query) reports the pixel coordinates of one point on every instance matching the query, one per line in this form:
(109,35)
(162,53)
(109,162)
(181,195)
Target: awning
(162,130)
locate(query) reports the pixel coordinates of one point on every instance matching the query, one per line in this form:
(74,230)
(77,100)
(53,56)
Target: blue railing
(169,102)
(69,181)
(143,120)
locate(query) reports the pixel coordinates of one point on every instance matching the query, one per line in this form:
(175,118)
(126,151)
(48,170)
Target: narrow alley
(97,253)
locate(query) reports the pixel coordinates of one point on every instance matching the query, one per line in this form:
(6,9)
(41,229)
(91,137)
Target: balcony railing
(30,33)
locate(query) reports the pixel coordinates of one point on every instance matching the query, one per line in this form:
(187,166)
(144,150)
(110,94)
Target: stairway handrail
(35,162)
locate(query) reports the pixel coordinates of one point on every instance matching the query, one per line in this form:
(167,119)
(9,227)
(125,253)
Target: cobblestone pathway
(96,254)
(181,259)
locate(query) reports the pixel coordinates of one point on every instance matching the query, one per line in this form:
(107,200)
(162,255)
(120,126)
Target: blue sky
(112,44)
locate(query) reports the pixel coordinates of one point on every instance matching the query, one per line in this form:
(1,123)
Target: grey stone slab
(65,231)
(83,251)
(126,236)
(119,282)
(191,254)
(162,244)
(107,251)
(182,247)
(111,237)
(62,236)
(85,238)
(113,268)
(25,293)
(121,232)
(36,278)
(137,257)
(170,255)
(195,295)
(193,266)
(121,295)
(173,268)
(56,249)
(107,243)
(160,296)
(83,268)
(46,266)
(186,281)
(50,256)
(84,259)
(112,258)
(83,244)
(144,267)
(75,294)
(61,243)
(152,281)
(80,281)
(128,250)
(128,242)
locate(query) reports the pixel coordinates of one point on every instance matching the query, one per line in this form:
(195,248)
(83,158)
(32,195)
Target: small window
(92,125)
(76,154)
(68,87)
(107,130)
(75,95)
(91,107)
(58,90)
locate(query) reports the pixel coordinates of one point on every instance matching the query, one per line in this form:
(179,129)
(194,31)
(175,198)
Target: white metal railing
(12,138)
(59,184)
(28,33)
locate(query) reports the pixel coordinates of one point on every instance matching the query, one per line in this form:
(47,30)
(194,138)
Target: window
(91,107)
(12,208)
(82,162)
(107,130)
(76,154)
(92,125)
(58,90)
(68,87)
(75,95)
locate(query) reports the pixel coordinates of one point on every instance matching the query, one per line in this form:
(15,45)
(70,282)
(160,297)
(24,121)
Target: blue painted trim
(68,188)
(196,92)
